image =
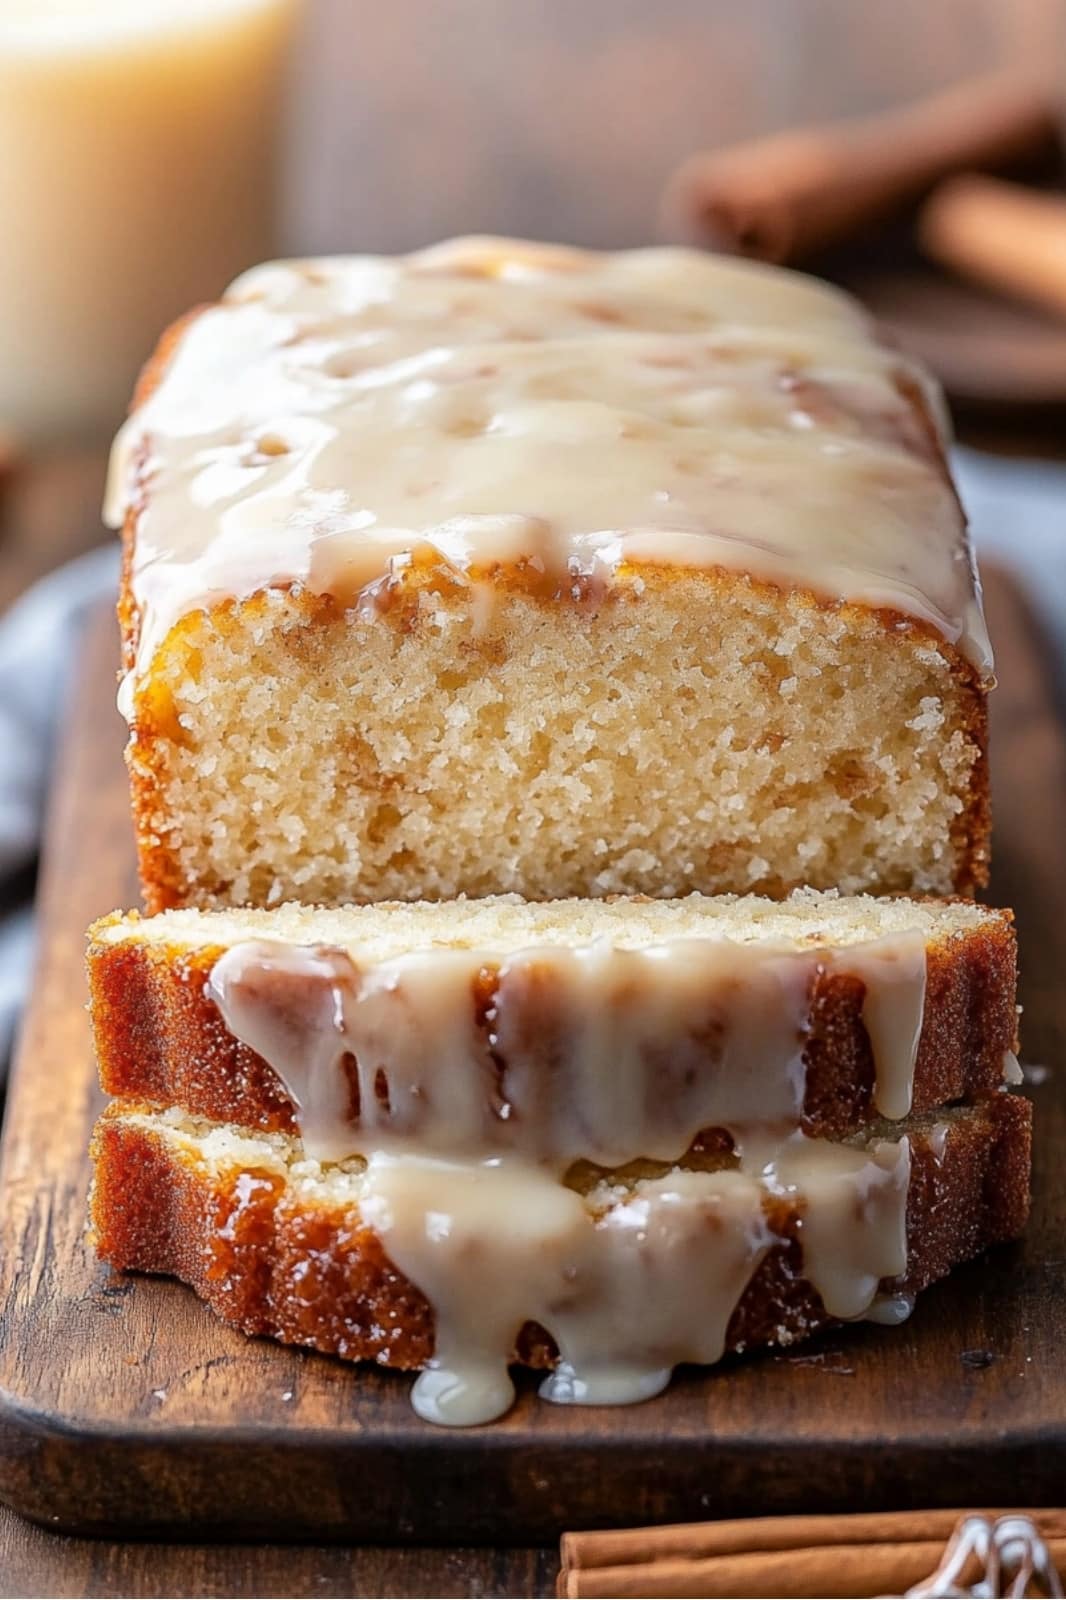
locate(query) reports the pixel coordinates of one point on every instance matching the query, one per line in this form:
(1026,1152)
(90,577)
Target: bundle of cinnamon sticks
(790,197)
(889,1553)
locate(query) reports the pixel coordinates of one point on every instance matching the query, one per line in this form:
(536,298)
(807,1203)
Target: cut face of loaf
(279,1244)
(504,568)
(600,1031)
(702,733)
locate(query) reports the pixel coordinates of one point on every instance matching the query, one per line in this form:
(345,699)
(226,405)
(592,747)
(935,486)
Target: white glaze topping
(853,1227)
(890,1309)
(495,404)
(478,1082)
(1012,1069)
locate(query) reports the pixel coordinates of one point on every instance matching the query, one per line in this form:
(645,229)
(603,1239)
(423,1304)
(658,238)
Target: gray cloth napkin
(36,640)
(1017,511)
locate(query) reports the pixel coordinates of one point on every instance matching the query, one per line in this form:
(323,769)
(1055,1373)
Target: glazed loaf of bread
(534,662)
(608,1029)
(508,568)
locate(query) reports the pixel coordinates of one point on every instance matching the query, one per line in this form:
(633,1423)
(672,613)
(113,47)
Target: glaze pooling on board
(473,1085)
(633,1287)
(330,421)
(627,1294)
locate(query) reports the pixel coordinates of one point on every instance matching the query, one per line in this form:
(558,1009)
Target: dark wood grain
(125,1405)
(34,1561)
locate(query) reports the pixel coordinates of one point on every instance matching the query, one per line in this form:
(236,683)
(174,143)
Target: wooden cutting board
(126,1408)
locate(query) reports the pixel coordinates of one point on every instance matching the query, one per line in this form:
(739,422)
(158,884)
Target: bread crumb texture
(677,732)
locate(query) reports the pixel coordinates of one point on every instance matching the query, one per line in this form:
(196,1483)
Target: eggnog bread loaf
(630,1133)
(534,661)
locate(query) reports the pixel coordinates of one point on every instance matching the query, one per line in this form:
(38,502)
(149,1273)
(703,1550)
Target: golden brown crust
(161,1039)
(312,1274)
(971,835)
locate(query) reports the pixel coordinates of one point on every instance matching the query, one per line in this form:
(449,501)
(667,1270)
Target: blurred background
(144,143)
(564,118)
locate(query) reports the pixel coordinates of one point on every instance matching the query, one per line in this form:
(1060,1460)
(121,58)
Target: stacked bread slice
(626,1134)
(497,622)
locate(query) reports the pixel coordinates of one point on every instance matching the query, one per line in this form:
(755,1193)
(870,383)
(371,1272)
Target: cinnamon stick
(849,1556)
(786,197)
(9,460)
(1000,235)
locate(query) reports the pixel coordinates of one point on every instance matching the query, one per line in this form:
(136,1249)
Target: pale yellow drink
(138,145)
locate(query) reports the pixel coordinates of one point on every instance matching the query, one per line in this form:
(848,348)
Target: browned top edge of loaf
(161,1039)
(161,880)
(157,1211)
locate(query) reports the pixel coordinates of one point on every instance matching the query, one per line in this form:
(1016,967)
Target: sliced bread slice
(279,1244)
(603,1030)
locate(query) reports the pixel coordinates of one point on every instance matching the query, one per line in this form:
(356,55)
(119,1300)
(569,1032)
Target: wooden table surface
(549,119)
(109,1384)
